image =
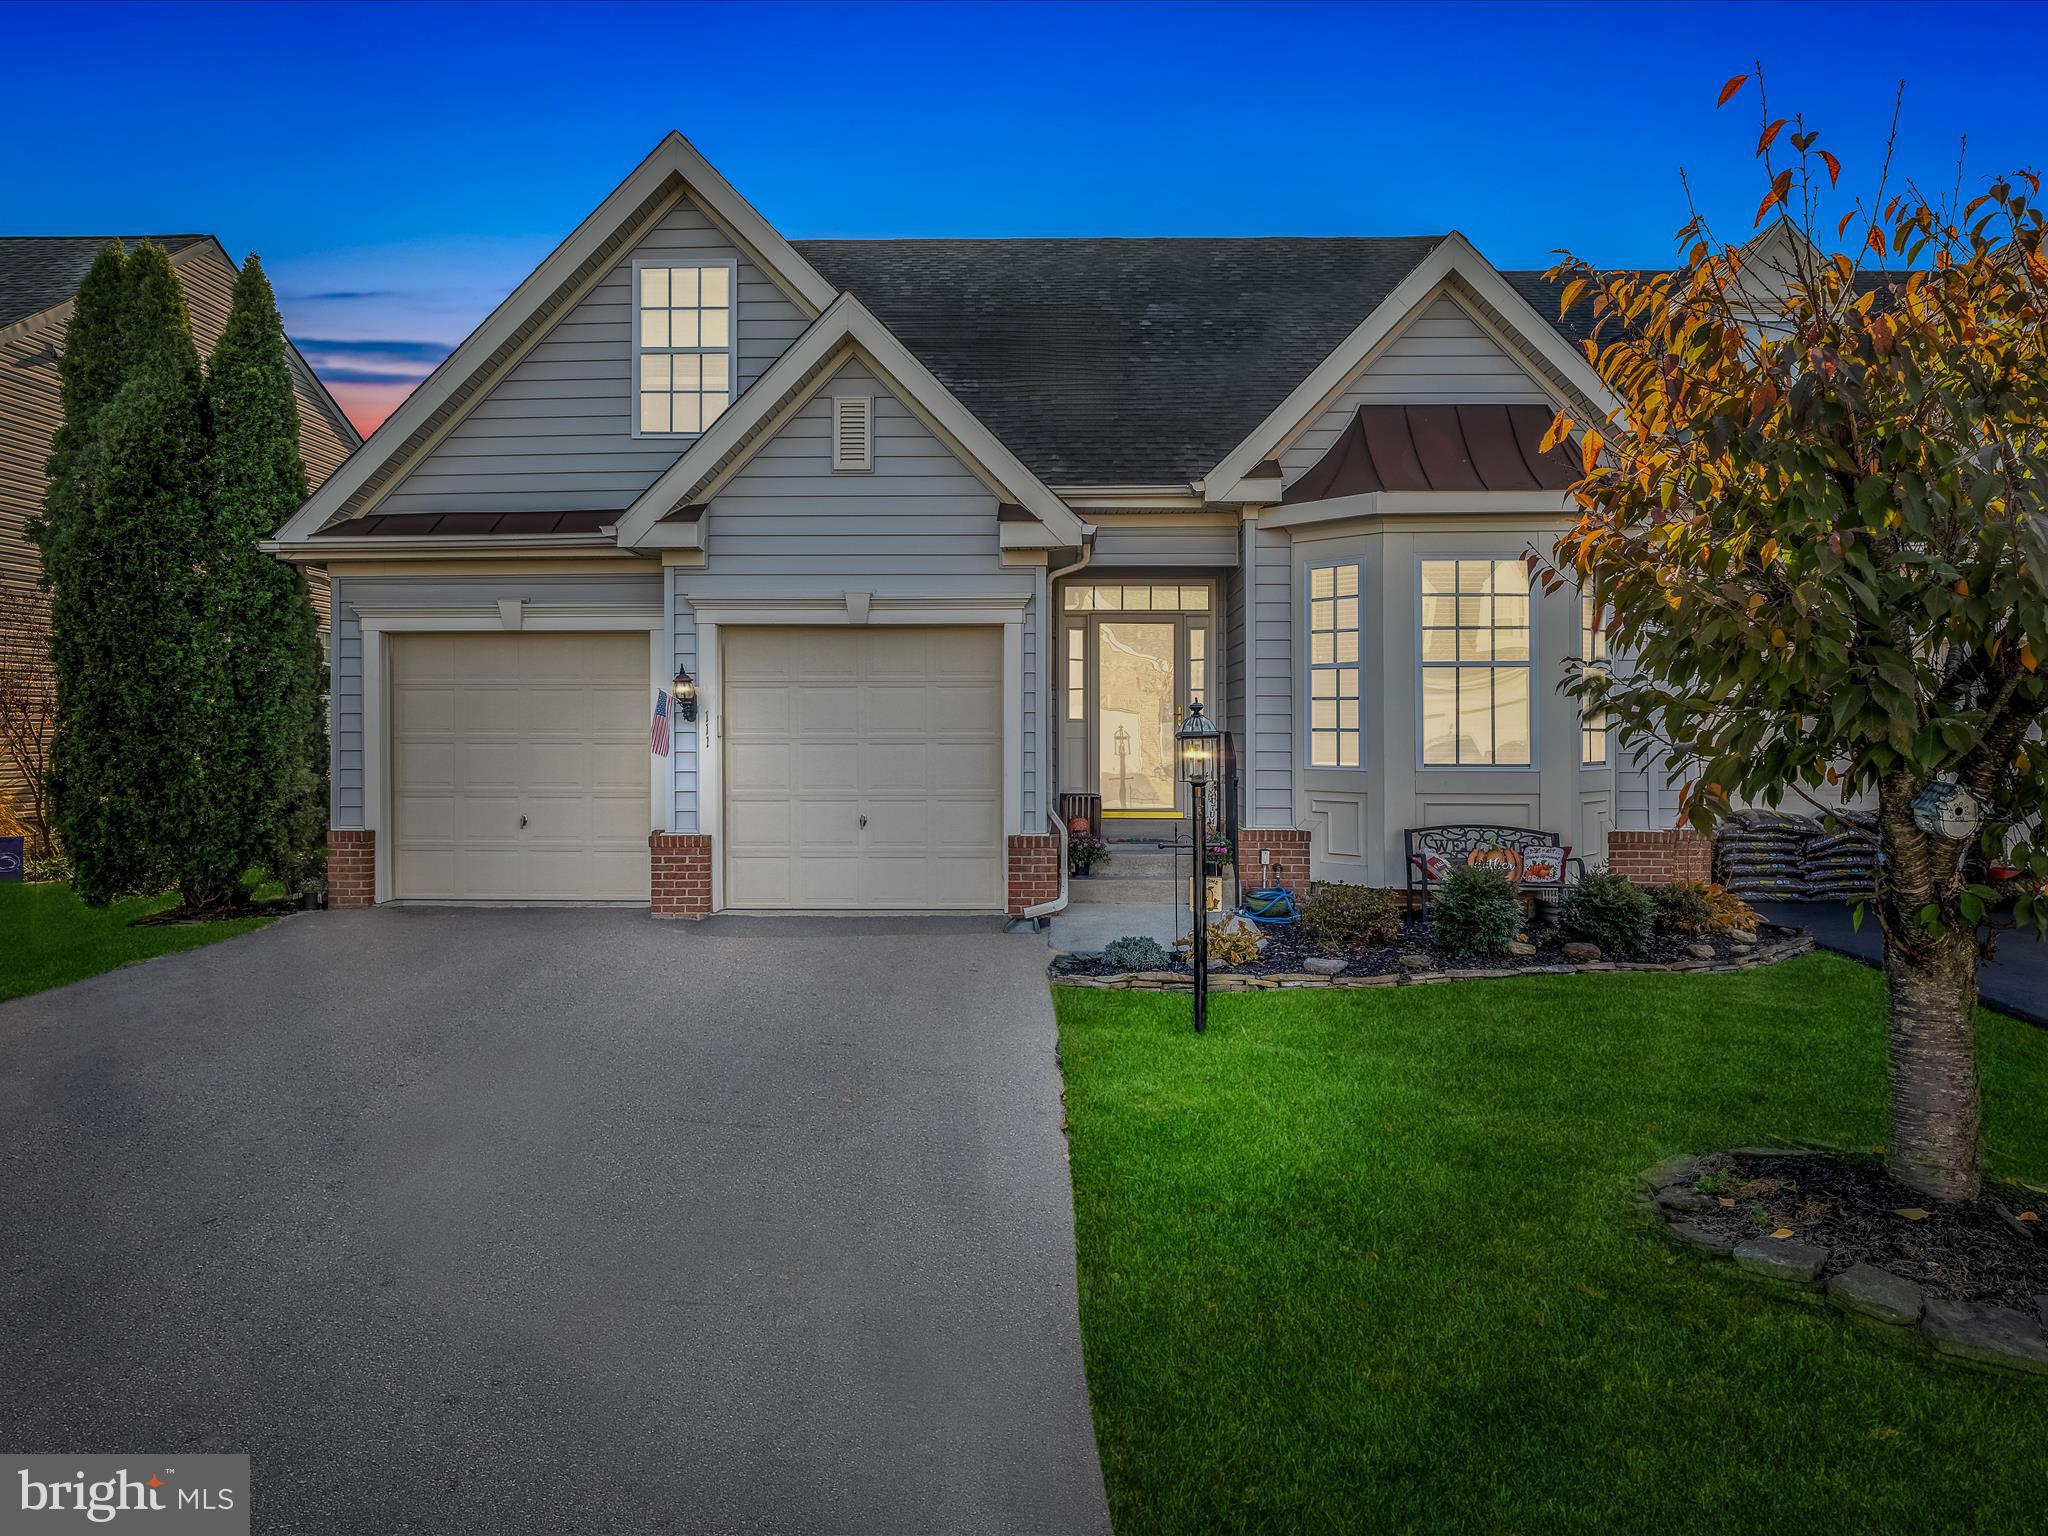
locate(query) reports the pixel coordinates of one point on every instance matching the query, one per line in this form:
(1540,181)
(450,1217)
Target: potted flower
(1215,857)
(1084,851)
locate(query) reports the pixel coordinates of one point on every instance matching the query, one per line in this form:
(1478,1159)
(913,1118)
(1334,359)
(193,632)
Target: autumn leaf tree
(1816,522)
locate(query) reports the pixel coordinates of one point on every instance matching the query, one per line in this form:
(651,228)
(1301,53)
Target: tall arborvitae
(89,372)
(125,766)
(267,731)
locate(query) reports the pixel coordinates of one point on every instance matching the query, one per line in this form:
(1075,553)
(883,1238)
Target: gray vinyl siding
(1174,546)
(556,434)
(1269,658)
(918,525)
(345,719)
(1233,587)
(1442,357)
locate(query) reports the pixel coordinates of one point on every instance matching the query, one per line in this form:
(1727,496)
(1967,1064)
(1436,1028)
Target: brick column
(351,867)
(1034,870)
(1660,858)
(1289,846)
(679,874)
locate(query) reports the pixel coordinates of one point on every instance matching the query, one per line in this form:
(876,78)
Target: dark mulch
(1977,1250)
(1285,951)
(277,907)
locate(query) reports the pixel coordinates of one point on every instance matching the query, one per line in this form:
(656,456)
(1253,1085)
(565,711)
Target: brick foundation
(1659,858)
(1289,847)
(351,867)
(1034,871)
(679,874)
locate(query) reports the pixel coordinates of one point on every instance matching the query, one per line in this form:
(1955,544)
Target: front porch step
(1137,861)
(1104,888)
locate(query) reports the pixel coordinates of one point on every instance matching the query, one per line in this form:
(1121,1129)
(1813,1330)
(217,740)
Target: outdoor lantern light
(1946,809)
(686,694)
(1198,740)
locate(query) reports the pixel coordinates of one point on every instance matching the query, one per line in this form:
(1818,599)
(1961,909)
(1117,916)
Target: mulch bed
(1976,1250)
(1285,952)
(278,907)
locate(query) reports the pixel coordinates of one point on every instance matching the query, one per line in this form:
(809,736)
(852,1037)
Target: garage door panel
(490,728)
(900,725)
(825,712)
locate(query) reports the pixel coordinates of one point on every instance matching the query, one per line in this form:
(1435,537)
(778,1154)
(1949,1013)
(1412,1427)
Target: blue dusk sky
(401,167)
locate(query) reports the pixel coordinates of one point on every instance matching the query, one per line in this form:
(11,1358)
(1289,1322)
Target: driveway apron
(463,1220)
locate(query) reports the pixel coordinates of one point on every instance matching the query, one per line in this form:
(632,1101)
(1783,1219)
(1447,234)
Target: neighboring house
(941,530)
(39,277)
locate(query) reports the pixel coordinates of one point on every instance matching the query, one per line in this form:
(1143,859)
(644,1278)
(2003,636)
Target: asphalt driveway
(557,1221)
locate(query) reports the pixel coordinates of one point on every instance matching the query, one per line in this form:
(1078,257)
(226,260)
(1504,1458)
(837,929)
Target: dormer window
(682,347)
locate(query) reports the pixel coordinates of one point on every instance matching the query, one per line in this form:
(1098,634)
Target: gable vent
(853,432)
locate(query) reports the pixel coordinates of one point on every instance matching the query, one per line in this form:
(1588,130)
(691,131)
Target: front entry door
(1137,692)
(1132,656)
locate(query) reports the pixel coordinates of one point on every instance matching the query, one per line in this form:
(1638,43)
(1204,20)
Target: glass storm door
(1137,692)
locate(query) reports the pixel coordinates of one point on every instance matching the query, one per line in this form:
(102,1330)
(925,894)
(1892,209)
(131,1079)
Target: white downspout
(1052,815)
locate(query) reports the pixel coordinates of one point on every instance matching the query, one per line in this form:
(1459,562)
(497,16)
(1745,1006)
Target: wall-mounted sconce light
(686,694)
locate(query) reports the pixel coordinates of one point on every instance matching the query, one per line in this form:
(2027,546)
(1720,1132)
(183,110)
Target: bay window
(1476,668)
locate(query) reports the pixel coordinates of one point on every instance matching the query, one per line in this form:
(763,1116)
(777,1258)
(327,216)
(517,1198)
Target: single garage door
(519,767)
(863,768)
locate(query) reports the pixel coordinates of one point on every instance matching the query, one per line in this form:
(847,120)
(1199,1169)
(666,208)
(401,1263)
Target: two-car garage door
(862,767)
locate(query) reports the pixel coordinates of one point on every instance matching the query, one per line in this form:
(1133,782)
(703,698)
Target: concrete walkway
(2015,982)
(551,1221)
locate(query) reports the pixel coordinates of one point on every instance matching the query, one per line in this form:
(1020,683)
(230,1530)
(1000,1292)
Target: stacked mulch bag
(1774,856)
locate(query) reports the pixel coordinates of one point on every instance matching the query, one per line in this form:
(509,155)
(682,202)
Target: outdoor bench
(1533,860)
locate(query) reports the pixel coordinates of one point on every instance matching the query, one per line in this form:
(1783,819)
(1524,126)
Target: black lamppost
(1198,740)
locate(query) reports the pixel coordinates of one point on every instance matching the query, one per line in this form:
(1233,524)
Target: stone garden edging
(1240,981)
(1975,1333)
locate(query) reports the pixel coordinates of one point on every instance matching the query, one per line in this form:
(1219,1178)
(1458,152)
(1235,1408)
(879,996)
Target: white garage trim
(485,616)
(713,613)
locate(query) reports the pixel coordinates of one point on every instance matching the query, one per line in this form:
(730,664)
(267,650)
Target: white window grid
(1477,640)
(684,345)
(1593,732)
(1335,699)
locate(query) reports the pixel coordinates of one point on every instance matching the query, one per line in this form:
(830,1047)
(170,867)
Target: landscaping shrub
(1730,910)
(1235,942)
(1608,910)
(1681,907)
(1350,917)
(1475,912)
(1134,952)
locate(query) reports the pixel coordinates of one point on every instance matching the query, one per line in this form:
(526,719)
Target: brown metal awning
(384,525)
(1439,448)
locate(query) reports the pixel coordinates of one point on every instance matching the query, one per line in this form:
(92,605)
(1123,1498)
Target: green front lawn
(1367,1261)
(51,937)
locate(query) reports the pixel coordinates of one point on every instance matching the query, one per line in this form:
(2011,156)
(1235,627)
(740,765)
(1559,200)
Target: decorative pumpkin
(1077,824)
(1506,860)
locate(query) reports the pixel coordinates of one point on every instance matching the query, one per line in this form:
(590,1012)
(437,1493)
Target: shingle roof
(1103,361)
(38,272)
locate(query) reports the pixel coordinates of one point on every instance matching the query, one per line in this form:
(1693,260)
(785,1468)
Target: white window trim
(1309,667)
(1535,763)
(1586,663)
(732,342)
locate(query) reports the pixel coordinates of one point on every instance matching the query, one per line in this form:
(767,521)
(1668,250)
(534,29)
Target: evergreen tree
(122,541)
(266,731)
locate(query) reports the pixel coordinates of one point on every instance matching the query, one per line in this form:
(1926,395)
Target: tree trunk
(1936,1115)
(1936,1133)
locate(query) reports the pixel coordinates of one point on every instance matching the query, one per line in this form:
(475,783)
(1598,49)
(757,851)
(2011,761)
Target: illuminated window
(1077,670)
(1090,598)
(1592,653)
(682,346)
(1475,664)
(1333,672)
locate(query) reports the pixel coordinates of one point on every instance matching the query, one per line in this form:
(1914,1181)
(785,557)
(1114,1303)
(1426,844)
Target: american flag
(659,735)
